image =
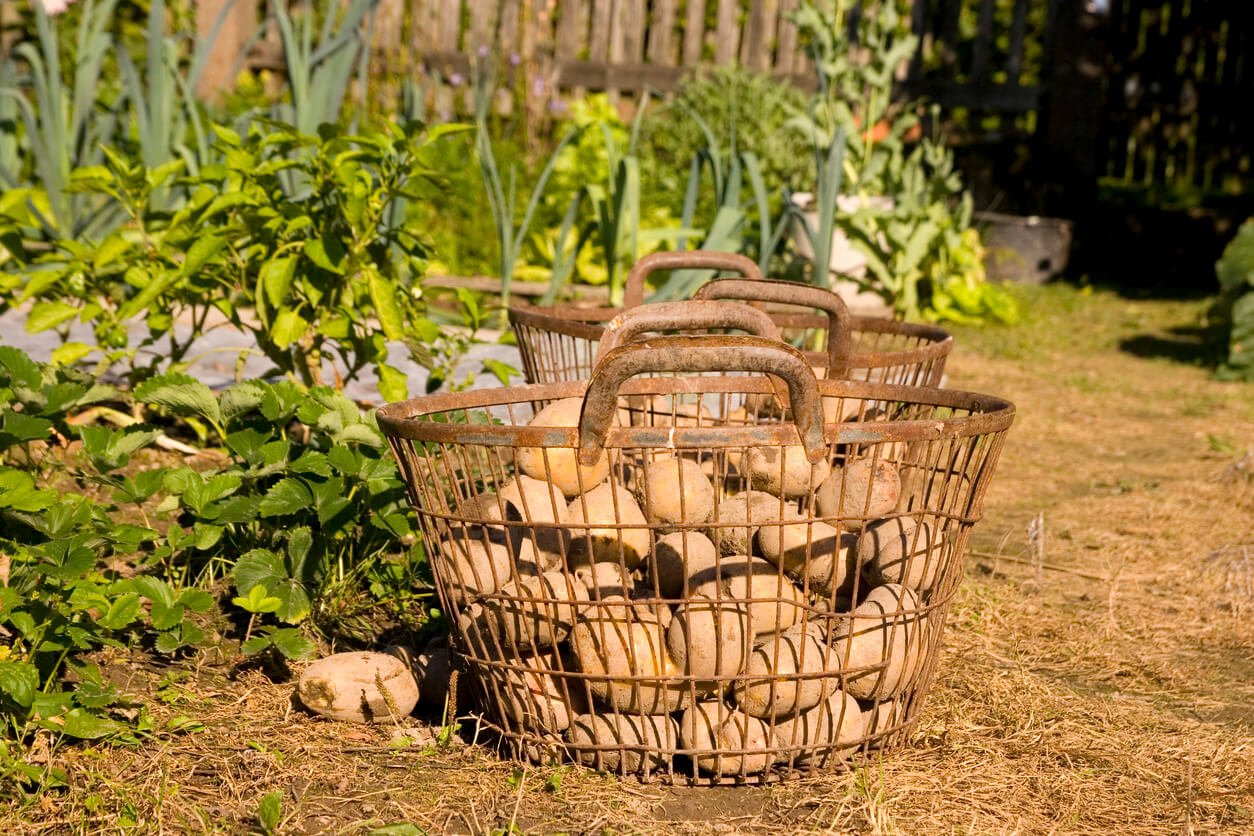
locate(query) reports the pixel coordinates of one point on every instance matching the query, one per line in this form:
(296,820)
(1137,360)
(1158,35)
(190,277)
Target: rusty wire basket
(559,343)
(712,596)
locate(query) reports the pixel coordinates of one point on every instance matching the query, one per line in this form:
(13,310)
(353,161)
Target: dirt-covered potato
(725,741)
(604,580)
(474,567)
(627,662)
(777,603)
(737,518)
(901,550)
(560,465)
(675,490)
(537,699)
(709,640)
(359,687)
(533,501)
(773,685)
(879,644)
(536,611)
(675,411)
(859,490)
(678,557)
(783,471)
(879,717)
(486,508)
(820,558)
(631,734)
(830,731)
(600,509)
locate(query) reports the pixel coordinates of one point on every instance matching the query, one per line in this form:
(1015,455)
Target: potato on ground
(536,699)
(830,731)
(724,741)
(783,471)
(627,663)
(679,558)
(879,644)
(360,687)
(535,612)
(901,550)
(774,602)
(784,674)
(675,490)
(637,741)
(709,640)
(594,539)
(737,518)
(559,465)
(860,490)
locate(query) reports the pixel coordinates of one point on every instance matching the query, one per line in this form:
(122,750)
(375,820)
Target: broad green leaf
(240,399)
(82,724)
(200,252)
(181,394)
(383,295)
(288,327)
(293,643)
(49,314)
(121,613)
(70,353)
(276,279)
(18,492)
(288,496)
(19,681)
(393,385)
(264,568)
(18,427)
(17,367)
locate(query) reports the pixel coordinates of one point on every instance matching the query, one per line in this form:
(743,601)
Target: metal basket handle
(839,322)
(674,316)
(710,353)
(633,291)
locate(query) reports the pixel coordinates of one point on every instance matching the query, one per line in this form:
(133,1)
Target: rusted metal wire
(559,343)
(661,583)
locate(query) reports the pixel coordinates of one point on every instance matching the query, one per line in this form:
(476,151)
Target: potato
(432,668)
(859,490)
(603,580)
(709,640)
(673,410)
(835,722)
(534,501)
(536,611)
(901,550)
(600,509)
(486,508)
(634,734)
(533,560)
(772,686)
(763,405)
(678,557)
(359,687)
(724,741)
(536,699)
(674,490)
(560,465)
(777,604)
(878,646)
(471,568)
(783,471)
(879,717)
(627,663)
(737,518)
(814,551)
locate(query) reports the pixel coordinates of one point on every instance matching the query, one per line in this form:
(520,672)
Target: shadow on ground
(1191,345)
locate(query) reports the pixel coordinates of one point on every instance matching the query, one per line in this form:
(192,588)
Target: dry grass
(1103,684)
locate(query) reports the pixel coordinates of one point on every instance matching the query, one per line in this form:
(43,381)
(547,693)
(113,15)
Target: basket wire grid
(559,342)
(619,611)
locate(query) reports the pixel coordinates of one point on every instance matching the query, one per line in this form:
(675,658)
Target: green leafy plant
(1235,270)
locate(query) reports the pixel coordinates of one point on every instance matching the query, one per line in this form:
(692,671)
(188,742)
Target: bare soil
(1105,684)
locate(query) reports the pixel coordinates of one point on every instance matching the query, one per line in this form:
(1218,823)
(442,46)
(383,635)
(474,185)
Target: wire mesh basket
(711,595)
(558,343)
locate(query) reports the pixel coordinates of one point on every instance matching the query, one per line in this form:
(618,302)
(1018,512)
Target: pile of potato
(740,608)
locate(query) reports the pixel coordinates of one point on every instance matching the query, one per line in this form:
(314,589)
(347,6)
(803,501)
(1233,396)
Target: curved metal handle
(674,316)
(633,291)
(839,322)
(701,354)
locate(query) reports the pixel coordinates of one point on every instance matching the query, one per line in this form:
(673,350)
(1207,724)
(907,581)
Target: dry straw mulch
(1098,681)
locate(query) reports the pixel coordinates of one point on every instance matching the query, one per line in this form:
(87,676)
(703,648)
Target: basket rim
(589,324)
(402,419)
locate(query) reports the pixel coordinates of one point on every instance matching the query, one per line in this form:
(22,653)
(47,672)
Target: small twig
(1036,564)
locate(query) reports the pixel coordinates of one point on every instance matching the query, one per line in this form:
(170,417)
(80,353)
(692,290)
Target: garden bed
(1099,684)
